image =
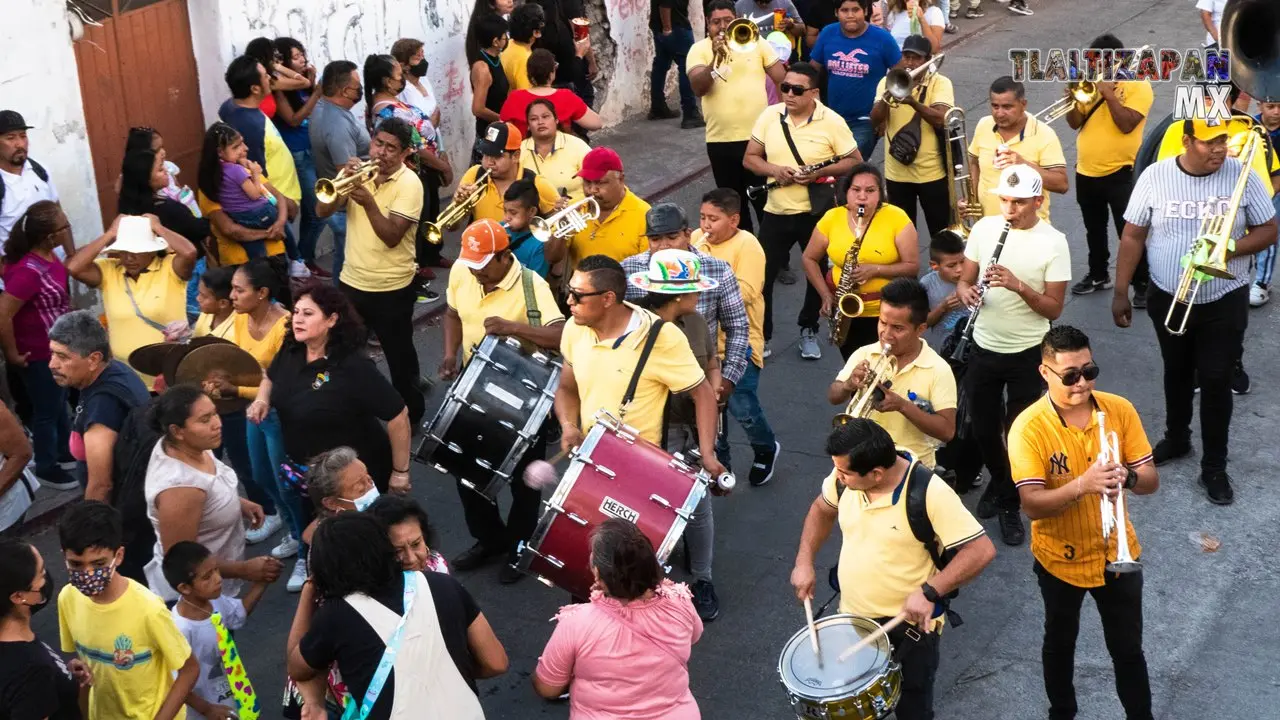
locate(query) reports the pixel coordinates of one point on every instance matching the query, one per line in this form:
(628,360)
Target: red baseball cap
(480,241)
(598,162)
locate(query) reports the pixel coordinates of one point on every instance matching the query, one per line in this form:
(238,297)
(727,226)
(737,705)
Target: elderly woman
(409,532)
(191,495)
(570,108)
(365,596)
(888,250)
(143,281)
(551,152)
(625,654)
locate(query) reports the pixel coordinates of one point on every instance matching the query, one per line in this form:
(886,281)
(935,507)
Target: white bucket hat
(1019,181)
(134,235)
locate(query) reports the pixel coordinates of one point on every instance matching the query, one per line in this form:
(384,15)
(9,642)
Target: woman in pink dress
(625,654)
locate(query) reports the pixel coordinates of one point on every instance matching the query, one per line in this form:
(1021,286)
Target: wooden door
(139,69)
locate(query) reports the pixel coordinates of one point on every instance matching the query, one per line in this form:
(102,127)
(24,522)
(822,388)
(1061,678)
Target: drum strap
(530,299)
(644,358)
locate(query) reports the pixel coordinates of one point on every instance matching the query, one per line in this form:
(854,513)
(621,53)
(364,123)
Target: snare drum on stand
(492,414)
(867,686)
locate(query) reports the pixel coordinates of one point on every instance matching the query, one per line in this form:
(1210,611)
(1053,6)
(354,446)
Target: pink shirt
(626,662)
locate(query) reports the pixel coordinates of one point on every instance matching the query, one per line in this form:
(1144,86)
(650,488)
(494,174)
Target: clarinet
(755,191)
(961,353)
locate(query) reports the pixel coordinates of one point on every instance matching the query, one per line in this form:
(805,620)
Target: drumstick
(558,457)
(813,630)
(864,642)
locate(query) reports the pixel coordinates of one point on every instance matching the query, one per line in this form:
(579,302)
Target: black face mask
(419,70)
(46,593)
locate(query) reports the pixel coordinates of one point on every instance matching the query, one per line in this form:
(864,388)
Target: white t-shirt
(21,192)
(1038,256)
(899,23)
(211,685)
(424,102)
(1215,7)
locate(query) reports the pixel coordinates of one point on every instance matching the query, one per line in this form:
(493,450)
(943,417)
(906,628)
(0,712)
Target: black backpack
(132,453)
(40,173)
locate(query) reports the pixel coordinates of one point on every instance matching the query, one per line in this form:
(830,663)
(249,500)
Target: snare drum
(867,686)
(491,416)
(615,473)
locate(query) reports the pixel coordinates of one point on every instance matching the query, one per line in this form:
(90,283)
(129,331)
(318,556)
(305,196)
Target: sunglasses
(1071,377)
(579,295)
(789,89)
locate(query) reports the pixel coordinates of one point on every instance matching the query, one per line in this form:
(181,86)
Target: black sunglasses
(789,89)
(578,295)
(1071,377)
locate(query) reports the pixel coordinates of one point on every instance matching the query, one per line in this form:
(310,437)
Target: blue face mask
(364,501)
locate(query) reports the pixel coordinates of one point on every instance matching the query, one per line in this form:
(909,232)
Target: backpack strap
(918,479)
(530,299)
(649,342)
(39,171)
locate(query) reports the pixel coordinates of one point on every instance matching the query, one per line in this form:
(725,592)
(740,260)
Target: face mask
(91,582)
(46,593)
(419,70)
(365,500)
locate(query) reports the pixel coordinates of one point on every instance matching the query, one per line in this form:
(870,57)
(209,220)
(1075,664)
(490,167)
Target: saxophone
(848,303)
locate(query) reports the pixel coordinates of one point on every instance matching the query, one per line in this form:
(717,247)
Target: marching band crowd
(226,393)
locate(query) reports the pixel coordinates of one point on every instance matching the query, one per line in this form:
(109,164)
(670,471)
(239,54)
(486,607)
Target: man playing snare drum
(884,570)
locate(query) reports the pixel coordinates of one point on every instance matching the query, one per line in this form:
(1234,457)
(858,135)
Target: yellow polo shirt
(1037,142)
(1045,450)
(231,252)
(1037,257)
(745,255)
(1101,148)
(490,206)
(929,377)
(603,369)
(823,136)
(161,297)
(620,235)
(281,172)
(560,167)
(370,265)
(515,63)
(1266,163)
(204,326)
(878,246)
(928,165)
(467,298)
(737,95)
(881,562)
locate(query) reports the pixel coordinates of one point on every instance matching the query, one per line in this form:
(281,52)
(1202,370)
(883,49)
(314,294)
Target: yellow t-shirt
(161,296)
(823,136)
(881,562)
(1101,148)
(560,167)
(929,377)
(1038,256)
(369,264)
(264,350)
(745,255)
(1037,143)
(490,205)
(131,646)
(737,95)
(467,298)
(1044,450)
(515,63)
(928,165)
(1266,162)
(281,172)
(231,252)
(603,369)
(204,326)
(620,235)
(878,246)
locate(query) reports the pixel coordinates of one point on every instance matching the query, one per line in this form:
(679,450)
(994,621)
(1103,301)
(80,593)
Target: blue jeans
(338,226)
(266,454)
(667,49)
(50,422)
(1267,258)
(744,406)
(235,452)
(864,133)
(309,225)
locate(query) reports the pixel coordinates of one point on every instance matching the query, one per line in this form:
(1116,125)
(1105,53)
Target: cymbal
(149,359)
(169,366)
(239,367)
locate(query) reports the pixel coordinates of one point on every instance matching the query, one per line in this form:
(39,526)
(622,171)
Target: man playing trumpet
(1073,453)
(500,155)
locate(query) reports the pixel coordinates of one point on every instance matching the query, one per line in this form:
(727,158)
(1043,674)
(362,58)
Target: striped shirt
(722,306)
(1173,204)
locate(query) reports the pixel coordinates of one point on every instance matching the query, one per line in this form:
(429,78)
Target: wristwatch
(1130,478)
(929,593)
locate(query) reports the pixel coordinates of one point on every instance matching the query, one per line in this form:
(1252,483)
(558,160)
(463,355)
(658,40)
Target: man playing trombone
(1074,453)
(1199,318)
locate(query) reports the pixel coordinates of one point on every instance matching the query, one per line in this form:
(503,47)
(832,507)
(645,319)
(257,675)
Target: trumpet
(457,210)
(566,222)
(959,179)
(1084,93)
(899,82)
(878,377)
(328,191)
(1113,514)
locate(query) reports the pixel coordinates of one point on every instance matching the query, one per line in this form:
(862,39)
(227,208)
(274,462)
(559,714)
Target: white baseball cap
(1019,181)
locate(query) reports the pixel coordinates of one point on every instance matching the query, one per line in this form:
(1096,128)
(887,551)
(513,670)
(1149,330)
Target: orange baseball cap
(481,241)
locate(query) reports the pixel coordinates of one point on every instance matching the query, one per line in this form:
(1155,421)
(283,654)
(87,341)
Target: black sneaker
(1217,486)
(762,466)
(692,121)
(1167,450)
(1091,284)
(1240,380)
(705,600)
(663,113)
(476,556)
(1140,296)
(973,13)
(508,574)
(1011,530)
(1020,7)
(986,508)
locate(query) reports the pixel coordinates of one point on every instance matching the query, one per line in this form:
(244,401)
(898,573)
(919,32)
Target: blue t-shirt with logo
(854,67)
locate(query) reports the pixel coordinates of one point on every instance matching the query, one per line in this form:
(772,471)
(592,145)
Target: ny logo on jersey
(1058,464)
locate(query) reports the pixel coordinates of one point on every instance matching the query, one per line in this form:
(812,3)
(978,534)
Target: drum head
(802,674)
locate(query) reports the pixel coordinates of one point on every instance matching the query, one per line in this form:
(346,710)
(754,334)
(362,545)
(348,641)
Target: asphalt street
(1209,636)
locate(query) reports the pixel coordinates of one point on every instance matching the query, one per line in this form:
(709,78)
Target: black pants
(919,660)
(1097,196)
(1119,604)
(777,234)
(389,316)
(934,197)
(427,254)
(862,331)
(484,522)
(1208,353)
(990,376)
(726,168)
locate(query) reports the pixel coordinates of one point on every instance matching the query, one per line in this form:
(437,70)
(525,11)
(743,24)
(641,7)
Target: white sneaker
(298,269)
(809,348)
(1258,295)
(298,577)
(768,351)
(287,548)
(269,528)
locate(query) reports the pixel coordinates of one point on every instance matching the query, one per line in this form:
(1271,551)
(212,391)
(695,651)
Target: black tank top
(498,89)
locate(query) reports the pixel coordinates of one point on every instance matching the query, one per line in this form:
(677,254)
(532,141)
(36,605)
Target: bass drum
(491,415)
(865,687)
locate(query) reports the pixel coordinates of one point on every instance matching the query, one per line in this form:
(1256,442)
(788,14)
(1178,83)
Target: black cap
(665,218)
(917,44)
(11,120)
(496,140)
